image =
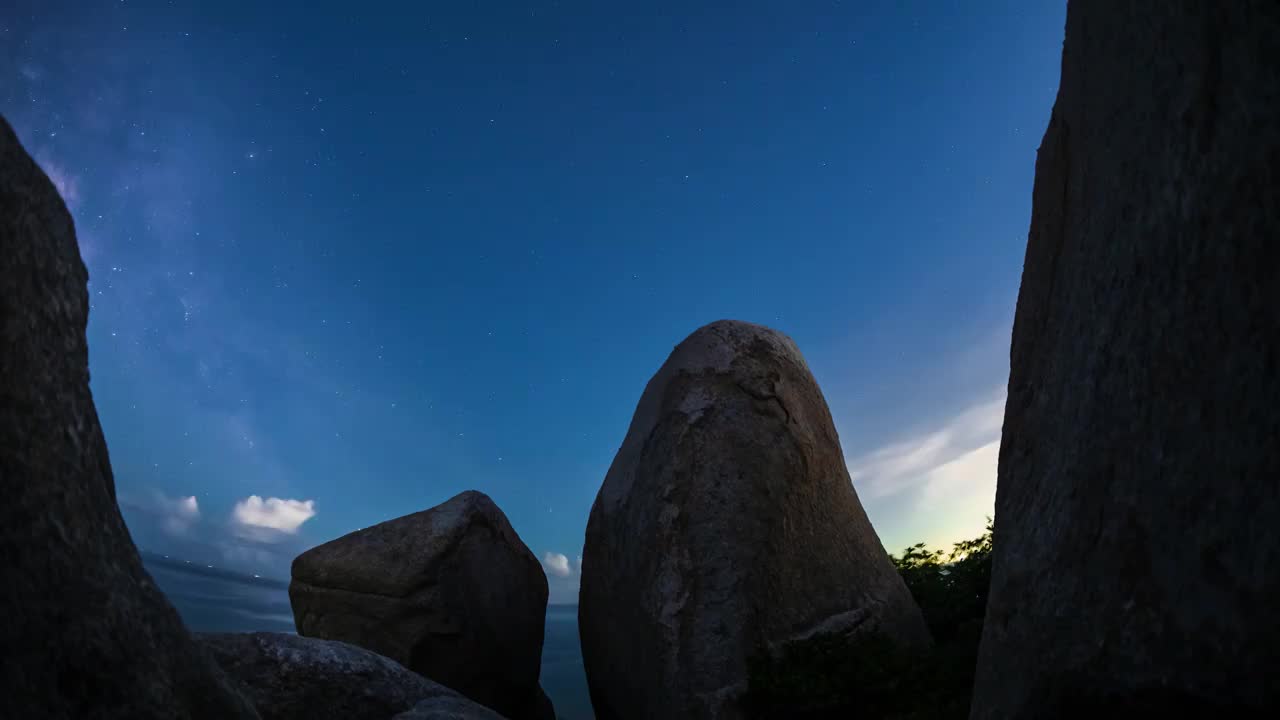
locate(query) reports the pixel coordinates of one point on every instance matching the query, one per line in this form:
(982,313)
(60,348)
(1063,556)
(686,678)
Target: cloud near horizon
(260,536)
(563,577)
(179,513)
(556,564)
(912,463)
(273,513)
(943,478)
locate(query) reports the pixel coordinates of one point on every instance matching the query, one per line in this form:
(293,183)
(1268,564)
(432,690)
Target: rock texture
(1137,558)
(448,708)
(726,526)
(85,632)
(451,593)
(295,678)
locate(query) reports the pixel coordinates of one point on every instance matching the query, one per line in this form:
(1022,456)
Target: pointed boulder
(726,528)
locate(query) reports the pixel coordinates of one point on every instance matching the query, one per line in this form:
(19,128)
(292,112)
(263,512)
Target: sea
(215,600)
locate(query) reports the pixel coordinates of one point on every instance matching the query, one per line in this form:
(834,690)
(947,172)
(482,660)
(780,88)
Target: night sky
(348,260)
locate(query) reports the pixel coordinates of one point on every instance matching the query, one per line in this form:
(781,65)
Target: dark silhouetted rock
(541,708)
(84,631)
(450,708)
(451,593)
(727,527)
(288,677)
(1136,555)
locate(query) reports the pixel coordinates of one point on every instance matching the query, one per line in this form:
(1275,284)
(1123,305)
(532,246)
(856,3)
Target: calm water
(214,601)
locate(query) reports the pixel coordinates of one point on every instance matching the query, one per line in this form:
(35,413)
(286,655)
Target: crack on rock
(845,624)
(766,397)
(1210,85)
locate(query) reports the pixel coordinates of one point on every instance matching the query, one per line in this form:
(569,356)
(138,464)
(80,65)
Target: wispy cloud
(175,517)
(974,471)
(929,459)
(67,183)
(179,513)
(936,485)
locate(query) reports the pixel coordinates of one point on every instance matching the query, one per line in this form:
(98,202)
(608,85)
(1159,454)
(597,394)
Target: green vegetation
(952,589)
(830,676)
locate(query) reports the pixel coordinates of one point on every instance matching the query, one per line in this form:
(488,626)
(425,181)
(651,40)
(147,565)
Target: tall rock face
(727,527)
(451,593)
(1137,558)
(85,632)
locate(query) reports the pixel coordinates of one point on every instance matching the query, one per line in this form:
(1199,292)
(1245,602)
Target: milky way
(357,262)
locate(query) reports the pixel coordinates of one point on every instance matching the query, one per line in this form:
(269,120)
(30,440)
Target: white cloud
(189,506)
(176,527)
(928,459)
(975,470)
(937,485)
(273,513)
(563,576)
(179,513)
(556,564)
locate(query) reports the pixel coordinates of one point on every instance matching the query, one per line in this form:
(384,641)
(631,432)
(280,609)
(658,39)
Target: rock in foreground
(727,527)
(85,632)
(1136,558)
(295,678)
(451,593)
(449,708)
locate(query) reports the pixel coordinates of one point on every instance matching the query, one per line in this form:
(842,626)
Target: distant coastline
(214,599)
(212,571)
(187,566)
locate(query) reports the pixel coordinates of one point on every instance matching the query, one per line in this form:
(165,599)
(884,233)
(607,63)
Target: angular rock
(85,631)
(451,593)
(1136,559)
(288,677)
(726,527)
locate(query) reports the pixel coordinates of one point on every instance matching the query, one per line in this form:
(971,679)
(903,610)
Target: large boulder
(85,631)
(1136,558)
(451,593)
(726,529)
(296,678)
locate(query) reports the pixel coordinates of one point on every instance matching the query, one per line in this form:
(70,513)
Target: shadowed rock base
(296,678)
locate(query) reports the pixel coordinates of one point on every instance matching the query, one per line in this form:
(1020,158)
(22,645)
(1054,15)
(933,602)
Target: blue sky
(352,260)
